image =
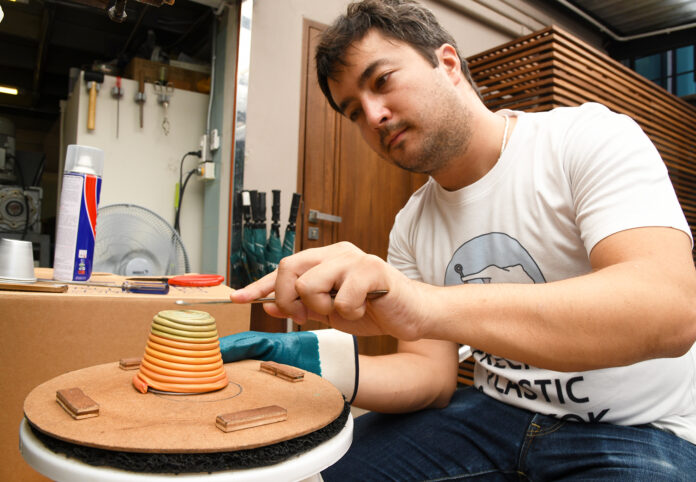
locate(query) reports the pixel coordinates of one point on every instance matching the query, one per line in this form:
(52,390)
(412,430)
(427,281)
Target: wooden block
(76,403)
(229,422)
(286,372)
(129,363)
(178,77)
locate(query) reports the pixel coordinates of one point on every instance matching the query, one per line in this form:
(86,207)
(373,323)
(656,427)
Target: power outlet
(208,170)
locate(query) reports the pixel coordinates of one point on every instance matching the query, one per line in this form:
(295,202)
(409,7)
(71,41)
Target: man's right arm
(421,374)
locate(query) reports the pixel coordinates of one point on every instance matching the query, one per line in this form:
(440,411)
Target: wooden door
(340,175)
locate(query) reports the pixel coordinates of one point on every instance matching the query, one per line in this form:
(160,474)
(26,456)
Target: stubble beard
(445,137)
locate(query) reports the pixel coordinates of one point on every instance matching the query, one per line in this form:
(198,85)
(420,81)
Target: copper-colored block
(76,403)
(229,422)
(286,372)
(129,363)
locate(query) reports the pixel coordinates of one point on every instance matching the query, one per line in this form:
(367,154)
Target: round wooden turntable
(130,421)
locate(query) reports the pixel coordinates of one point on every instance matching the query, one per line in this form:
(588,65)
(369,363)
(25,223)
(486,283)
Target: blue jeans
(479,438)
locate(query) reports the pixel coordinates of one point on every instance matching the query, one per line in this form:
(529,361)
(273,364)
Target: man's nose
(376,112)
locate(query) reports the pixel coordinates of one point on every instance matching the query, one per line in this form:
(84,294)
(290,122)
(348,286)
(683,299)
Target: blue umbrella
(258,209)
(239,271)
(289,238)
(249,228)
(274,248)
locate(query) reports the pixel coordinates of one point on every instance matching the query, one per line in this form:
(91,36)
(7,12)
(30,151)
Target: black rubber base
(172,463)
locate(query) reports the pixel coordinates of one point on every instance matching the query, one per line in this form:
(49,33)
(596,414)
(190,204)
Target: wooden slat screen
(465,374)
(552,68)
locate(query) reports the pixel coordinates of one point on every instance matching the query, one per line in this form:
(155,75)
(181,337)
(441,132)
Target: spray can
(77,213)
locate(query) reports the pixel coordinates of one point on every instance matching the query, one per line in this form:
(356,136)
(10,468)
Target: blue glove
(330,353)
(299,349)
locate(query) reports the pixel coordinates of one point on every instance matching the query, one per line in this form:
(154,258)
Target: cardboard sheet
(49,334)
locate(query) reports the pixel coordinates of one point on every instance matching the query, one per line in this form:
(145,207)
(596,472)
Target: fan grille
(134,241)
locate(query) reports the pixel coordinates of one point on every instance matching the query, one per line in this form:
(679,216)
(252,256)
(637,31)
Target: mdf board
(339,174)
(160,423)
(552,68)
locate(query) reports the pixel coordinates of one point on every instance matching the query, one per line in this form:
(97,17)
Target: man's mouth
(392,137)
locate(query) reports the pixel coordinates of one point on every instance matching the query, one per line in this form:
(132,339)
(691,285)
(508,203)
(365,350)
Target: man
(551,243)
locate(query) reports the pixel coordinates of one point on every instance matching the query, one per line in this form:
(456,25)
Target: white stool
(305,467)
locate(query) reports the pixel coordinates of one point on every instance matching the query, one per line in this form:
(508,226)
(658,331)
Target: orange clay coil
(181,366)
(182,354)
(194,360)
(174,373)
(181,379)
(143,383)
(178,352)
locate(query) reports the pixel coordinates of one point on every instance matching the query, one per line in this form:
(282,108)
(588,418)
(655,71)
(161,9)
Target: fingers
(303,285)
(352,276)
(305,279)
(257,289)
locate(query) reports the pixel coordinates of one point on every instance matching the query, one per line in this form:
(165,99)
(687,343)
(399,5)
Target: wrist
(425,299)
(338,357)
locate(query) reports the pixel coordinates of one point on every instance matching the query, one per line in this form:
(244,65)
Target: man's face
(407,111)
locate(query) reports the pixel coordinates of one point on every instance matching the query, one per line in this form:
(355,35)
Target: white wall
(273,116)
(141,166)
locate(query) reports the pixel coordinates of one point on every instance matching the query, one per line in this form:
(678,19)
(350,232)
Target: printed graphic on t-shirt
(492,258)
(499,258)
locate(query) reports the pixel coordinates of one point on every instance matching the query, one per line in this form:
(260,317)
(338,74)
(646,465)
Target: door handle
(316,216)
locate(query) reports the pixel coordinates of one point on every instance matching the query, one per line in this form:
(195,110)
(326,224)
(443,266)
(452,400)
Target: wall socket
(207,170)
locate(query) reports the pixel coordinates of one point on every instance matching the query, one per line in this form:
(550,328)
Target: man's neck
(482,154)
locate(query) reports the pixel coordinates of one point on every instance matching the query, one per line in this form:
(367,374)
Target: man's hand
(302,285)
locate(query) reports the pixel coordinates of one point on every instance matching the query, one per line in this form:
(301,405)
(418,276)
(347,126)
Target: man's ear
(449,61)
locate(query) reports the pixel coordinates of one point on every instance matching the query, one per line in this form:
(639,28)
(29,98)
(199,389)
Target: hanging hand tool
(117,93)
(164,92)
(140,96)
(145,287)
(163,95)
(117,12)
(93,80)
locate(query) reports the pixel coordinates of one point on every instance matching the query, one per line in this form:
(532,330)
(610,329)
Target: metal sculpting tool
(370,296)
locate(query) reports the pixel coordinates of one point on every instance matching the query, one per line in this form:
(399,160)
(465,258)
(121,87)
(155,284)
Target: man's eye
(353,115)
(381,80)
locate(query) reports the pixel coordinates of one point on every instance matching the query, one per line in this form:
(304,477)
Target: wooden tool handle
(42,287)
(91,113)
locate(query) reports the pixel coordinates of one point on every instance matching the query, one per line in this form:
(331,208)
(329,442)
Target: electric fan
(133,241)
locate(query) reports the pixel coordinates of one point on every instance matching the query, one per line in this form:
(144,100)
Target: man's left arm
(638,303)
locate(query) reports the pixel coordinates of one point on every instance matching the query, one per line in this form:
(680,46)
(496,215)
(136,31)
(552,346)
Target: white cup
(16,261)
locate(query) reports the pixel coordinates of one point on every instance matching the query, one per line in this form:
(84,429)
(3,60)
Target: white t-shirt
(567,179)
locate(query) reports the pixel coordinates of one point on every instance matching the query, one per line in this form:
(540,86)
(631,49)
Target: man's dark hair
(403,20)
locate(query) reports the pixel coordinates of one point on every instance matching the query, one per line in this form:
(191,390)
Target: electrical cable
(181,193)
(181,198)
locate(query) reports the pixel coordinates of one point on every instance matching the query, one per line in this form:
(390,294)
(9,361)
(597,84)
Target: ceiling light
(4,89)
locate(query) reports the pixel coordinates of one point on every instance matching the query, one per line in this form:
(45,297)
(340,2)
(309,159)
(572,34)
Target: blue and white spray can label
(77,215)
